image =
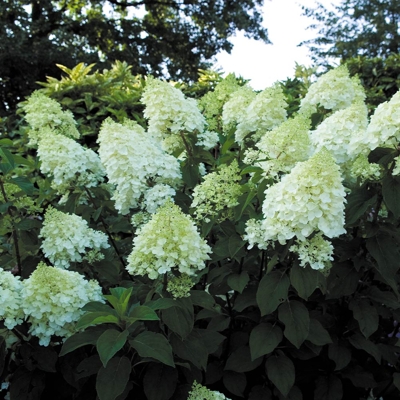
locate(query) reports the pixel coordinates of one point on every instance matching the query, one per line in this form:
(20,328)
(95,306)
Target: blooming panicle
(218,193)
(234,110)
(207,139)
(384,126)
(334,91)
(200,392)
(168,241)
(53,299)
(265,112)
(169,111)
(10,299)
(337,131)
(212,102)
(310,198)
(316,252)
(179,286)
(43,112)
(364,170)
(156,196)
(285,145)
(67,238)
(133,159)
(254,234)
(68,163)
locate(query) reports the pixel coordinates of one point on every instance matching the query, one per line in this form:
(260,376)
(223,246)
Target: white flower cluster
(68,162)
(265,112)
(156,196)
(179,286)
(285,145)
(53,301)
(133,159)
(255,234)
(218,193)
(207,139)
(67,238)
(363,169)
(43,112)
(234,110)
(340,129)
(168,111)
(310,198)
(316,251)
(396,169)
(384,126)
(10,299)
(169,240)
(334,90)
(200,392)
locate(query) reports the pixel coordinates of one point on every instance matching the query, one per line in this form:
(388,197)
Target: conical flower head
(53,301)
(310,198)
(169,240)
(200,392)
(10,299)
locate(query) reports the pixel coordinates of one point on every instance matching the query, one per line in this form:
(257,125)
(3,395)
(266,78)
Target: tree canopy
(171,38)
(354,28)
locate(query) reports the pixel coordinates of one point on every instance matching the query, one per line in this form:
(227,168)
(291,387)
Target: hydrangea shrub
(216,245)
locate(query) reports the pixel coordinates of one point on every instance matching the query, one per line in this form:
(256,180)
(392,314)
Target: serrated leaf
(80,339)
(366,316)
(109,343)
(7,156)
(297,321)
(272,291)
(24,184)
(281,372)
(141,313)
(328,388)
(111,381)
(304,280)
(318,335)
(202,299)
(358,202)
(235,243)
(154,345)
(241,361)
(264,339)
(191,349)
(179,320)
(95,318)
(238,282)
(162,303)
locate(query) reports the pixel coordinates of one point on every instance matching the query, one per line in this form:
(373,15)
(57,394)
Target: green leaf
(383,297)
(95,318)
(191,349)
(361,343)
(264,339)
(154,345)
(162,303)
(202,299)
(381,154)
(260,393)
(5,206)
(5,168)
(190,174)
(238,282)
(235,382)
(297,321)
(384,249)
(89,336)
(281,372)
(366,316)
(27,224)
(342,281)
(272,291)
(328,388)
(111,381)
(7,156)
(340,355)
(317,334)
(23,183)
(95,306)
(142,313)
(235,243)
(109,343)
(179,320)
(240,361)
(396,380)
(391,193)
(358,202)
(304,280)
(159,382)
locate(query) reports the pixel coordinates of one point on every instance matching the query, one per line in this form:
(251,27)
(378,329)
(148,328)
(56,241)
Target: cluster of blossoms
(53,301)
(68,162)
(310,198)
(334,91)
(179,286)
(207,139)
(234,110)
(212,102)
(200,392)
(363,169)
(43,112)
(11,301)
(169,240)
(265,112)
(340,129)
(133,159)
(315,251)
(168,111)
(67,238)
(285,145)
(218,193)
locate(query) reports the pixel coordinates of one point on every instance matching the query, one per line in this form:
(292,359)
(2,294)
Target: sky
(263,63)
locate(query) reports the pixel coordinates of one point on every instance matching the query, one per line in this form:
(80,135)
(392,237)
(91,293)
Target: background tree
(354,28)
(173,38)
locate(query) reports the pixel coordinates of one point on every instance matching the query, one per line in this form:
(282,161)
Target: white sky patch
(265,64)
